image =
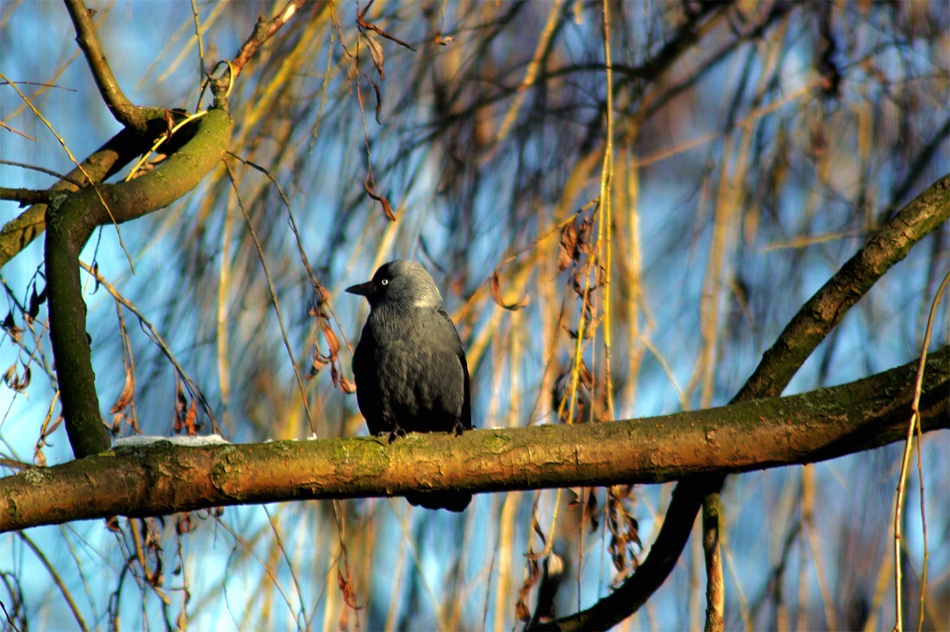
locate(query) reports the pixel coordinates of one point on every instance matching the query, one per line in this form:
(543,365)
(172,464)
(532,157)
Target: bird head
(400,283)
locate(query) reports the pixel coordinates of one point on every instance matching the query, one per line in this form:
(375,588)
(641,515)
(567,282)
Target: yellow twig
(161,140)
(606,210)
(902,479)
(532,71)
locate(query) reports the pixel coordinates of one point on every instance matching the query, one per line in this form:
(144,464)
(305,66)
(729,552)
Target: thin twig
(262,32)
(156,337)
(50,172)
(273,295)
(905,460)
(56,579)
(363,24)
(25,196)
(605,220)
(17,132)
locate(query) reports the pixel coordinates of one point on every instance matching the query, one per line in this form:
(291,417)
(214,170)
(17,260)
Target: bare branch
(815,320)
(122,109)
(49,172)
(262,32)
(24,196)
(369,26)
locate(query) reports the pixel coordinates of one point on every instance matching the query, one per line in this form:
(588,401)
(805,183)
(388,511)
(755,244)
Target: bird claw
(458,428)
(396,432)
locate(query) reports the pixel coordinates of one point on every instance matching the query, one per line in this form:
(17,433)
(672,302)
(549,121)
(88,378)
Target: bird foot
(396,432)
(458,428)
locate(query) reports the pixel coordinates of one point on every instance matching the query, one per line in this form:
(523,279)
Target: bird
(409,365)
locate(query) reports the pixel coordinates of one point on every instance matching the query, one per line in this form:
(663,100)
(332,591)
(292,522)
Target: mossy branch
(164,479)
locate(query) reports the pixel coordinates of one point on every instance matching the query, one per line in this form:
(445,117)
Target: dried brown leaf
(376,52)
(16,382)
(583,236)
(332,340)
(128,392)
(568,247)
(534,574)
(181,403)
(317,363)
(347,589)
(370,187)
(590,510)
(190,419)
(10,374)
(379,103)
(334,374)
(536,527)
(586,377)
(156,577)
(624,531)
(35,301)
(183,524)
(322,295)
(496,295)
(9,324)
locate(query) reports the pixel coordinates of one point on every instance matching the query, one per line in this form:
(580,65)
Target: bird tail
(452,501)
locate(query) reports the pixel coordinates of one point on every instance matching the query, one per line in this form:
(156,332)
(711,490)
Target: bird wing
(368,393)
(466,416)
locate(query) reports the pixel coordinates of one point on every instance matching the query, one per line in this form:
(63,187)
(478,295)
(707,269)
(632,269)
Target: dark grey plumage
(409,365)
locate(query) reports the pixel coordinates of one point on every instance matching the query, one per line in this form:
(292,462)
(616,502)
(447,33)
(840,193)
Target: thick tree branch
(823,311)
(142,125)
(102,164)
(752,435)
(813,322)
(71,220)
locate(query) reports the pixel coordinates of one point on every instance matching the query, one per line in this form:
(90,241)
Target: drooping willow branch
(813,322)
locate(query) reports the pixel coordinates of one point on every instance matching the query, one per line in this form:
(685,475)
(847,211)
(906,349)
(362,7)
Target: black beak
(363,289)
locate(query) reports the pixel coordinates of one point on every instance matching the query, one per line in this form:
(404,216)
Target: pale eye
(384,282)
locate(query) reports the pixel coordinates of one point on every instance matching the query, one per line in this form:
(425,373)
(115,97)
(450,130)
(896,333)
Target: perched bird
(409,365)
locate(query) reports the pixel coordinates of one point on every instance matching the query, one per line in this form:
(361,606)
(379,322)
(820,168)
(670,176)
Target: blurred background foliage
(755,146)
